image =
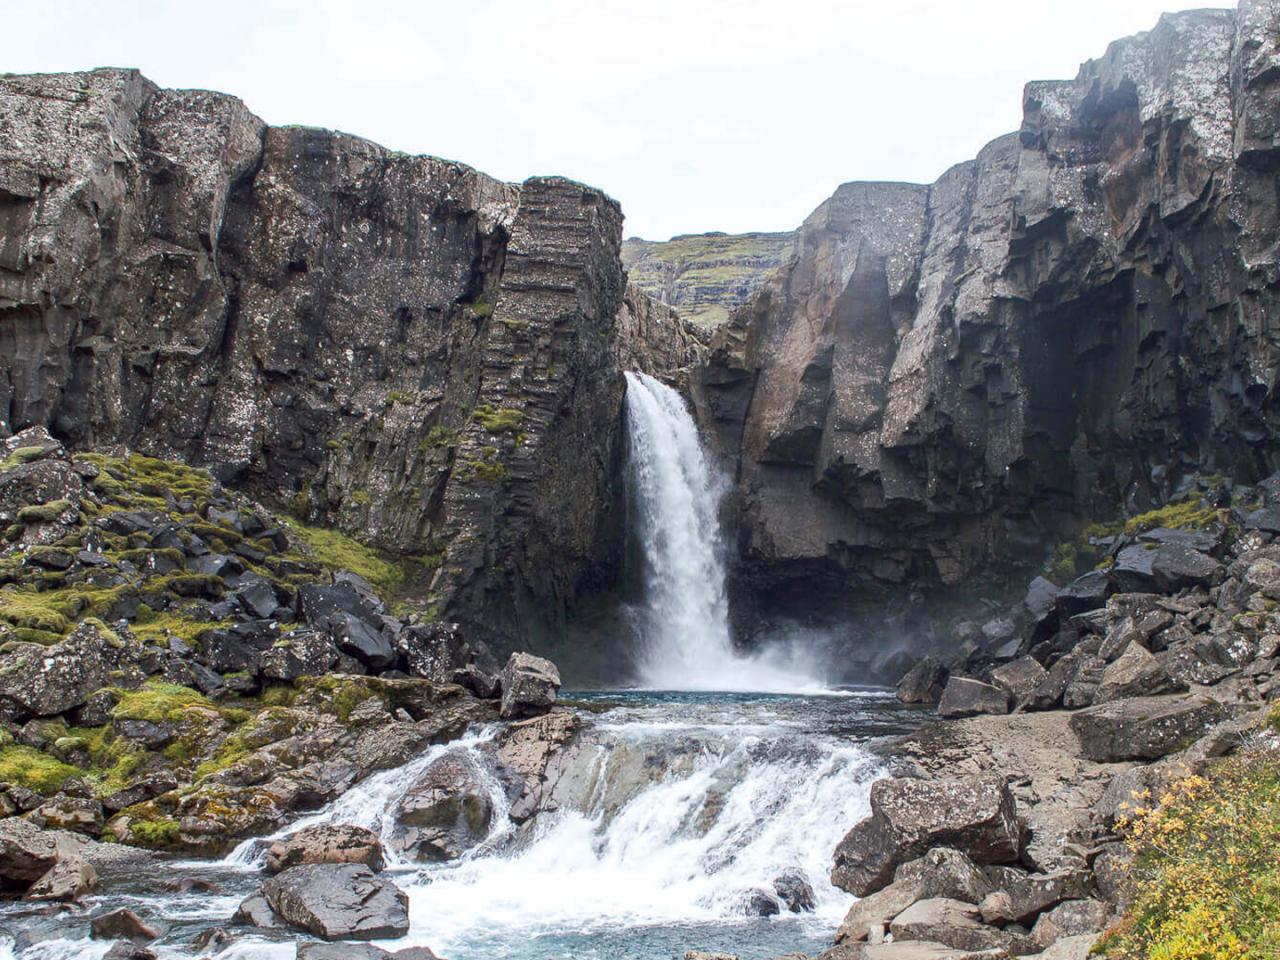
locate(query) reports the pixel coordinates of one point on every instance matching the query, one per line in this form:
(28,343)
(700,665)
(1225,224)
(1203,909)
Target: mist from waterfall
(685,641)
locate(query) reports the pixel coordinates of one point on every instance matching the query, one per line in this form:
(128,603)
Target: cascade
(685,642)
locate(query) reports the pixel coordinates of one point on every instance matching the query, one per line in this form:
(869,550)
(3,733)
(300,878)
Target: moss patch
(28,767)
(336,551)
(159,702)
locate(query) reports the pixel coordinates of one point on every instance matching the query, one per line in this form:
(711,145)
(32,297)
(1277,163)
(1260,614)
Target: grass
(1207,883)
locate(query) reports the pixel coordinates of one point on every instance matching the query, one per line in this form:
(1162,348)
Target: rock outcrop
(400,346)
(1073,323)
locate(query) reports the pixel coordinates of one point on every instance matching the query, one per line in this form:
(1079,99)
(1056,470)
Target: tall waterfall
(684,621)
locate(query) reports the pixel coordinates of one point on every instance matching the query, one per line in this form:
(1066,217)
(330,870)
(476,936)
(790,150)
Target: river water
(694,802)
(688,796)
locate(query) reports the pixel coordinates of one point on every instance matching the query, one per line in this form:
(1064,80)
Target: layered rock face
(399,345)
(1074,322)
(705,276)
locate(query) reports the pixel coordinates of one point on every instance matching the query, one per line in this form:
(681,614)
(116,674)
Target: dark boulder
(338,902)
(923,683)
(1177,566)
(794,891)
(529,686)
(326,843)
(1083,594)
(446,812)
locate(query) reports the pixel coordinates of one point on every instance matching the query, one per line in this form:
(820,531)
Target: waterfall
(684,620)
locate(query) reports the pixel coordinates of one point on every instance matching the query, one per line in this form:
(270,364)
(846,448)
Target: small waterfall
(684,622)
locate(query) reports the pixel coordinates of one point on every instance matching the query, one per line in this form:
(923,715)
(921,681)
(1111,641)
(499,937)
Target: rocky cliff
(705,276)
(1064,328)
(398,345)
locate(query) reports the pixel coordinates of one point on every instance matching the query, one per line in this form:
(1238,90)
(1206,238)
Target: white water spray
(685,617)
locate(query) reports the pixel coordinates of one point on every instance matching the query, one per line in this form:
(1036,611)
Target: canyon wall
(397,345)
(946,376)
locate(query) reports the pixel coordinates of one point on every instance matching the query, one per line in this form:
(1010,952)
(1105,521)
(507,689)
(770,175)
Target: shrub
(1207,883)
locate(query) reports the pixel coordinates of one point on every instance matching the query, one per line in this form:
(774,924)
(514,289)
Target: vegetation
(34,770)
(498,419)
(482,308)
(159,702)
(438,437)
(336,551)
(43,512)
(1207,883)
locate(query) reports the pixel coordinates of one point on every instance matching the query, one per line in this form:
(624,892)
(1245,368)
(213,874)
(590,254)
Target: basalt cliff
(398,346)
(1062,330)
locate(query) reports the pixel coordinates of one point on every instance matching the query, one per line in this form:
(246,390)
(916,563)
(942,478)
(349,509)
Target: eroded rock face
(401,346)
(1074,320)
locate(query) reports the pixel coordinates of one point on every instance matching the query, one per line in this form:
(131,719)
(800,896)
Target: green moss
(48,611)
(399,396)
(160,832)
(514,325)
(1187,514)
(498,419)
(152,627)
(482,308)
(360,498)
(158,702)
(20,456)
(336,551)
(279,696)
(28,767)
(43,512)
(483,471)
(438,437)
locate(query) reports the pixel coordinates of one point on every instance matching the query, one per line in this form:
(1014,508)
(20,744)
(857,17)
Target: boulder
(943,872)
(975,815)
(338,902)
(1144,728)
(795,892)
(1132,571)
(529,686)
(128,951)
(122,925)
(41,681)
(951,922)
(326,843)
(254,911)
(360,951)
(1178,565)
(1027,897)
(923,683)
(1135,673)
(1019,677)
(68,879)
(27,853)
(445,813)
(1071,948)
(875,910)
(1072,918)
(1049,691)
(1083,594)
(965,697)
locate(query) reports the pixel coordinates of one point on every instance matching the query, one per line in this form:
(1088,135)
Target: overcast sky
(695,114)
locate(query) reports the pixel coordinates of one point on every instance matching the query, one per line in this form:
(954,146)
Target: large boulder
(1177,565)
(1135,673)
(1144,728)
(1018,677)
(40,681)
(966,697)
(923,683)
(338,902)
(975,815)
(529,686)
(326,843)
(951,922)
(446,812)
(1021,900)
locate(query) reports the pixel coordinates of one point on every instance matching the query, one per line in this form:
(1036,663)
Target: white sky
(695,114)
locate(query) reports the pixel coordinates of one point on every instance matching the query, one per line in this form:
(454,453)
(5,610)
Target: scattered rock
(338,901)
(964,697)
(122,925)
(529,686)
(326,843)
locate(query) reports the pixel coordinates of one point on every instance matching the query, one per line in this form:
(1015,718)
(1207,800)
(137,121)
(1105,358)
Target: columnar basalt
(1074,322)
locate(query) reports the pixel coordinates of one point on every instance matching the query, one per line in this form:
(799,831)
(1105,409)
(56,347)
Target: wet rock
(1132,571)
(255,911)
(1144,728)
(338,901)
(923,683)
(975,815)
(214,939)
(326,843)
(529,685)
(71,878)
(359,951)
(446,812)
(122,925)
(128,951)
(794,891)
(760,903)
(965,697)
(1084,594)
